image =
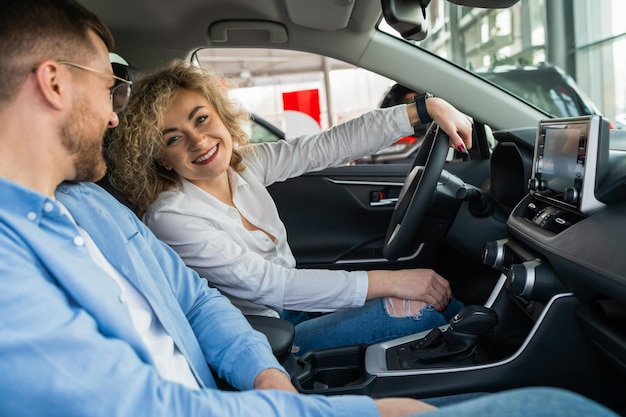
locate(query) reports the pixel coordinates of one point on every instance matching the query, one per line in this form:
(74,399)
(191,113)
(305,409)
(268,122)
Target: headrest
(131,74)
(126,72)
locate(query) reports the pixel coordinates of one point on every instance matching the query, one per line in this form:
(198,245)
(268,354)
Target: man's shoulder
(89,189)
(91,196)
(68,187)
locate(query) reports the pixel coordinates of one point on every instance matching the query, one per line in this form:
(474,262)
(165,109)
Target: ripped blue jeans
(375,322)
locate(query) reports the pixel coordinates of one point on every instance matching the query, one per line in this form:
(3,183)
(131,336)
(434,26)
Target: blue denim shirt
(67,343)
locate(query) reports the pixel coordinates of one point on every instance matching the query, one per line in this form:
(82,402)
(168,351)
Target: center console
(516,339)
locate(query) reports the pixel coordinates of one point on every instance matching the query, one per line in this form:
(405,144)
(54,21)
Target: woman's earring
(165,166)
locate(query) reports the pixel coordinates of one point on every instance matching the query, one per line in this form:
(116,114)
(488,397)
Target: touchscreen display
(571,156)
(560,156)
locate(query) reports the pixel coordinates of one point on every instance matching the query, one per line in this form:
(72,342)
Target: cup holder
(334,371)
(337,377)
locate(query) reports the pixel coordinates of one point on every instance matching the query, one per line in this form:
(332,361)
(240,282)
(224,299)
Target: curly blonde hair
(136,144)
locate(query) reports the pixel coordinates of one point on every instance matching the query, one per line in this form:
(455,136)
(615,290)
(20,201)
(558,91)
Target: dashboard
(567,233)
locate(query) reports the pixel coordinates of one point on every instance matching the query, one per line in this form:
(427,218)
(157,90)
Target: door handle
(384,202)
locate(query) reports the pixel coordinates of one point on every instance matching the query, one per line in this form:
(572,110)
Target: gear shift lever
(468,325)
(474,319)
(458,342)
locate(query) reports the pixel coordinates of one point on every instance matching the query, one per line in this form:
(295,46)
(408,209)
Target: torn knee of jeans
(397,307)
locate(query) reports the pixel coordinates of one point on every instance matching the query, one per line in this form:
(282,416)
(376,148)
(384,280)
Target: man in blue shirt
(98,317)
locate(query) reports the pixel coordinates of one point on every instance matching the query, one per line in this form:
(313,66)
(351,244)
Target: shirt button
(31,215)
(48,207)
(122,298)
(79,241)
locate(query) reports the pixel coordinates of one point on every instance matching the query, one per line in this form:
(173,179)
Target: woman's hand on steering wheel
(457,125)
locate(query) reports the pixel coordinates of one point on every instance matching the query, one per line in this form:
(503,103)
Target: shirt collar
(235,180)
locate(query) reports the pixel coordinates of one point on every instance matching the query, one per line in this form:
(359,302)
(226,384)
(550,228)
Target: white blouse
(256,273)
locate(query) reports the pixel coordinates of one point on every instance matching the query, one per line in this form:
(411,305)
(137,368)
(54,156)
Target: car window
(296,92)
(260,130)
(278,88)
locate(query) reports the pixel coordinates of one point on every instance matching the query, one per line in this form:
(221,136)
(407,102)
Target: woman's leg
(454,307)
(375,322)
(297,317)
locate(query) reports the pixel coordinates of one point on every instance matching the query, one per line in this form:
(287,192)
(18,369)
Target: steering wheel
(417,192)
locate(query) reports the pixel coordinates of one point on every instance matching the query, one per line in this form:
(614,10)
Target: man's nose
(114,120)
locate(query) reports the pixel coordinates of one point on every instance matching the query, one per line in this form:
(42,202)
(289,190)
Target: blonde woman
(182,158)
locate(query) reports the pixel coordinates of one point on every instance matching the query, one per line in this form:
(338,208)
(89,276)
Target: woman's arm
(366,134)
(240,273)
(229,265)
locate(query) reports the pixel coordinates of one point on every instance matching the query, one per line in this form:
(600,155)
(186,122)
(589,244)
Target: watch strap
(422,111)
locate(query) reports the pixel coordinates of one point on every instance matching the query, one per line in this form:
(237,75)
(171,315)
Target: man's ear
(50,82)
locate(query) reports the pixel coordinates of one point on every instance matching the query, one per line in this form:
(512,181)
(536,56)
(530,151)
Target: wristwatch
(422,112)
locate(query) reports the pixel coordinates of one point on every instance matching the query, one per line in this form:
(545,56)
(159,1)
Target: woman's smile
(208,156)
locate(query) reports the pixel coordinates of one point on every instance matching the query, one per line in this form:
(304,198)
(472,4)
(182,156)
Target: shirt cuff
(360,289)
(247,372)
(401,117)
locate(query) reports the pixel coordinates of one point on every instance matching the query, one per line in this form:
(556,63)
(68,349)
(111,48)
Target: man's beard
(82,139)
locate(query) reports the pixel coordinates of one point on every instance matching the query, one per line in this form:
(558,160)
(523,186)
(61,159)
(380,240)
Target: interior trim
(494,294)
(379,260)
(374,183)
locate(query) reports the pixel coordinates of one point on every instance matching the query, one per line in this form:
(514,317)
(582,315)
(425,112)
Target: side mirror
(408,17)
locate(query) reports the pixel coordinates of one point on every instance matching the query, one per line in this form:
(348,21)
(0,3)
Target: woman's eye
(201,119)
(172,140)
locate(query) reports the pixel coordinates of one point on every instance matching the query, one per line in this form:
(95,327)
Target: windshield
(567,61)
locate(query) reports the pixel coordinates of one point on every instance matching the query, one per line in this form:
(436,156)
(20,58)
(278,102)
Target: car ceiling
(144,29)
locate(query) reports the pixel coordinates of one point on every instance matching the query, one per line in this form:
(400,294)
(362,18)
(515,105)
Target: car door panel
(339,217)
(329,215)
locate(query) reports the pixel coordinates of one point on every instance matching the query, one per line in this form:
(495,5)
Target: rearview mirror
(408,17)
